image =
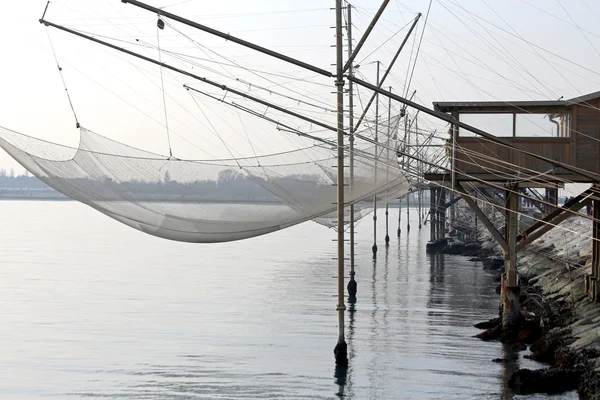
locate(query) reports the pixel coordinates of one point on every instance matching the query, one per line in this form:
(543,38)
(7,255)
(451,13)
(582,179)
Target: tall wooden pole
(387,160)
(419,169)
(399,231)
(341,348)
(510,289)
(352,286)
(374,248)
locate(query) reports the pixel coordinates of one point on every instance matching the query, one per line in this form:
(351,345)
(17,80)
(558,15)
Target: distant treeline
(21,182)
(229,187)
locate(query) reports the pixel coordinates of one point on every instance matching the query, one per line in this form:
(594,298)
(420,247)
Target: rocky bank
(562,326)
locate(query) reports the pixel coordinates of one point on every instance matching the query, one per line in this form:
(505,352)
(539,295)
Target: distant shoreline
(35,194)
(59,197)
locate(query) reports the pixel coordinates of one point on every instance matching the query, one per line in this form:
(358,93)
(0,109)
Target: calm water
(93,309)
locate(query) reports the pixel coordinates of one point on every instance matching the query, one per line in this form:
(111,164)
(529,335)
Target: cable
(77,125)
(162,83)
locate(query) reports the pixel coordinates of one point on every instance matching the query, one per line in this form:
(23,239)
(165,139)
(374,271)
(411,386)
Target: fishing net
(205,201)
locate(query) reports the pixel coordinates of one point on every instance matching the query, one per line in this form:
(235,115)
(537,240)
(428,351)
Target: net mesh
(205,201)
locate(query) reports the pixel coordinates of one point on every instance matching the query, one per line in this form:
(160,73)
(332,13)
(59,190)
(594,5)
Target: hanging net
(204,201)
(388,138)
(330,220)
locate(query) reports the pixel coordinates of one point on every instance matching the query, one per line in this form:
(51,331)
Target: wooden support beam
(551,197)
(591,281)
(432,200)
(596,239)
(514,125)
(441,212)
(570,205)
(486,222)
(451,202)
(548,225)
(512,222)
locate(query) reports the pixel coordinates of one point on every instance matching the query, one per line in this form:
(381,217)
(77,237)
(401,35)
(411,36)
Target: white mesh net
(203,201)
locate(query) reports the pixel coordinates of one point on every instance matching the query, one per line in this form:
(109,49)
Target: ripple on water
(92,309)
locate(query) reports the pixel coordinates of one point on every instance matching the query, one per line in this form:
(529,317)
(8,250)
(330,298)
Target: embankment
(562,326)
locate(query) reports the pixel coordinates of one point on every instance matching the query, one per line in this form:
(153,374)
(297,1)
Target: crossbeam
(486,222)
(228,37)
(445,117)
(191,75)
(567,207)
(451,202)
(564,214)
(365,35)
(387,72)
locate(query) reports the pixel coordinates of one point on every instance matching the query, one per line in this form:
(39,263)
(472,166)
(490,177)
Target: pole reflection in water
(343,374)
(130,316)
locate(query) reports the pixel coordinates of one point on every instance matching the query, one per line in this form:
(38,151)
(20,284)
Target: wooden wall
(478,150)
(585,127)
(581,148)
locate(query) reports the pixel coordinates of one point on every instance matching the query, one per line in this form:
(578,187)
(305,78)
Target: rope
(77,125)
(162,84)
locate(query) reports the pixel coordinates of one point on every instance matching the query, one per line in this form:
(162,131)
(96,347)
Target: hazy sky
(471,50)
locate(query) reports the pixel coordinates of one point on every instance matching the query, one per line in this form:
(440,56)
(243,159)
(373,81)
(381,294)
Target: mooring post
(510,289)
(399,216)
(419,208)
(452,221)
(387,233)
(341,348)
(408,212)
(432,219)
(442,214)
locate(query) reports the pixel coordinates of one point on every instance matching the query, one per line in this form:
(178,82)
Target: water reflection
(374,332)
(341,376)
(510,364)
(172,325)
(343,373)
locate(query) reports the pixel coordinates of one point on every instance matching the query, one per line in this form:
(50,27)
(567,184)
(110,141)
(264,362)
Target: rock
(529,335)
(519,346)
(567,358)
(522,298)
(543,349)
(490,334)
(454,249)
(550,381)
(583,260)
(457,248)
(589,385)
(498,275)
(493,263)
(488,245)
(436,246)
(489,324)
